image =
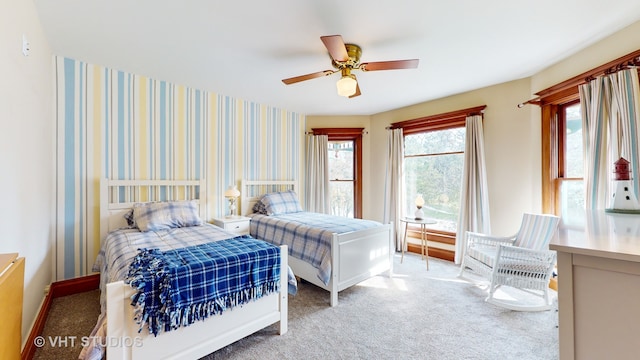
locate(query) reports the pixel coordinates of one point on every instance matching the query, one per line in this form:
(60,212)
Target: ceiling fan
(345,58)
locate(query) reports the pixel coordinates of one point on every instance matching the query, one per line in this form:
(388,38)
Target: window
(562,159)
(570,194)
(433,167)
(345,170)
(341,177)
(563,152)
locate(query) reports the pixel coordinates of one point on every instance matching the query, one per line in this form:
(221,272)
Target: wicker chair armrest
(479,239)
(510,249)
(508,255)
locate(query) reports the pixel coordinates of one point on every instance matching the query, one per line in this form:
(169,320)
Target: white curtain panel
(474,203)
(595,100)
(317,191)
(626,102)
(394,183)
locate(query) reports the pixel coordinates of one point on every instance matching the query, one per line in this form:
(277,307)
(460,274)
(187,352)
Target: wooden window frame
(355,135)
(442,121)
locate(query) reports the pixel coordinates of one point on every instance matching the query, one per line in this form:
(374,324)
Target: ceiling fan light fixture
(345,58)
(347,85)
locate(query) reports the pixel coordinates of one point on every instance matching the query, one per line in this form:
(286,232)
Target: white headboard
(251,190)
(118,196)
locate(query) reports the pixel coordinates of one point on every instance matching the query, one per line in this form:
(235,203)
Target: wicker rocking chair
(521,261)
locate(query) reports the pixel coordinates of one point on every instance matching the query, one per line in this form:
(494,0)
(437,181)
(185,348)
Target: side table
(236,224)
(423,236)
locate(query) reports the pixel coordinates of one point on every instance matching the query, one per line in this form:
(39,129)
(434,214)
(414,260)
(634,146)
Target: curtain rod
(448,116)
(631,64)
(628,61)
(478,113)
(364,132)
(534,101)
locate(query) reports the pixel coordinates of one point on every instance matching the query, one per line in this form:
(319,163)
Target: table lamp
(419,203)
(232,193)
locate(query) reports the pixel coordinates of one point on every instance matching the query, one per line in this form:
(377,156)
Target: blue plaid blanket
(307,234)
(180,286)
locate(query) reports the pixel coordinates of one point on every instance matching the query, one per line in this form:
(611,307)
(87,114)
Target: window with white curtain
(341,177)
(433,166)
(562,145)
(345,170)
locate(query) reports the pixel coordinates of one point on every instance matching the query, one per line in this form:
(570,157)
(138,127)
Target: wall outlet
(26,47)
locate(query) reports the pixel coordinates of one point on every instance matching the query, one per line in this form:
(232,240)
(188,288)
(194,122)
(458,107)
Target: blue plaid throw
(180,286)
(308,235)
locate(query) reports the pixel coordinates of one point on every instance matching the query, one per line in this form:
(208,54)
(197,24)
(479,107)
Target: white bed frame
(201,338)
(355,256)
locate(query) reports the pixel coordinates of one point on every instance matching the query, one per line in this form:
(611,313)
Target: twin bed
(349,254)
(220,328)
(331,252)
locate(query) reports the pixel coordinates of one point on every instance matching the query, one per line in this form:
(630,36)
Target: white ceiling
(244,48)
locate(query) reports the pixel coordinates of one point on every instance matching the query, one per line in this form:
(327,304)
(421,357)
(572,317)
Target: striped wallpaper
(124,126)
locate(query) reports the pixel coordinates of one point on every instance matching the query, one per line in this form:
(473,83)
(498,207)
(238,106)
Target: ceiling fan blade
(389,65)
(357,93)
(314,75)
(336,47)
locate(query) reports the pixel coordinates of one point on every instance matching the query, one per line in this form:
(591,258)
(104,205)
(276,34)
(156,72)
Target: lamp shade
(419,201)
(232,192)
(347,85)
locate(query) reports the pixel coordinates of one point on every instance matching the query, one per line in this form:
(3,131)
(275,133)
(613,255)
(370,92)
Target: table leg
(425,245)
(404,241)
(421,241)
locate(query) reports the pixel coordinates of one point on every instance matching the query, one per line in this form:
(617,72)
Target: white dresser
(599,287)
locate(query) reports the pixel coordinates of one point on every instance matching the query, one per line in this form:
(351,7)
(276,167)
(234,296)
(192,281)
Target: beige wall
(26,150)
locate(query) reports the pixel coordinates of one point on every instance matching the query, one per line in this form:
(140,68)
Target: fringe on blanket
(148,272)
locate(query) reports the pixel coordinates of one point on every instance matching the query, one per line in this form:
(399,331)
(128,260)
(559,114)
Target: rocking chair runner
(522,261)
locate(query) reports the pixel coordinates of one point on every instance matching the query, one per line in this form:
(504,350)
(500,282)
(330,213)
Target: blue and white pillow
(279,203)
(156,216)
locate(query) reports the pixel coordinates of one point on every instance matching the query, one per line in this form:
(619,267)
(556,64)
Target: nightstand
(237,224)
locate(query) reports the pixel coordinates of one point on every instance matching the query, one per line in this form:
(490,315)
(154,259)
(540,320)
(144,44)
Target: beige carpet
(417,314)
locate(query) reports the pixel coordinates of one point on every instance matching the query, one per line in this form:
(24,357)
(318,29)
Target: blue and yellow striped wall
(113,124)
